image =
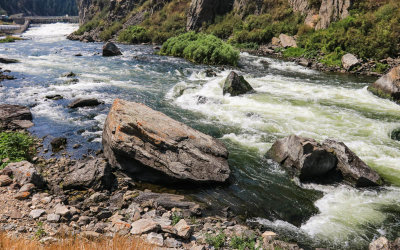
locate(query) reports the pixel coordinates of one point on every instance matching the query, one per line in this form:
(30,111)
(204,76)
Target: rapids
(289,99)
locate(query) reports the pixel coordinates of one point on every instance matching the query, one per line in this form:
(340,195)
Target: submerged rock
(152,146)
(8,61)
(110,49)
(54,97)
(395,135)
(69,74)
(388,86)
(58,144)
(349,61)
(326,161)
(15,117)
(236,85)
(79,103)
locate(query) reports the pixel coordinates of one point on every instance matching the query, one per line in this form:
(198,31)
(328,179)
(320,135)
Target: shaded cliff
(40,7)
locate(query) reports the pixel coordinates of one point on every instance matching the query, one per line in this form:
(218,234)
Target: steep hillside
(40,7)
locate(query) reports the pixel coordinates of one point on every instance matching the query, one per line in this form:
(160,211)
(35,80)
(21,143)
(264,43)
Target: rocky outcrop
(349,61)
(152,146)
(15,117)
(204,11)
(388,86)
(236,85)
(331,11)
(326,161)
(110,49)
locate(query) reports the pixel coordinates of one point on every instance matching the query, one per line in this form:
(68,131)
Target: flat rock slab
(15,117)
(152,146)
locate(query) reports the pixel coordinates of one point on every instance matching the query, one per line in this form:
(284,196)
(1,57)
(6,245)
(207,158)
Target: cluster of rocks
(3,73)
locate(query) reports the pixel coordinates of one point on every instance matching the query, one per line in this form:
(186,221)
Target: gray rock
(58,144)
(79,103)
(95,174)
(287,41)
(331,11)
(152,146)
(8,61)
(110,49)
(349,61)
(69,74)
(54,97)
(183,229)
(204,11)
(24,172)
(312,161)
(143,226)
(28,187)
(236,85)
(14,117)
(34,214)
(172,243)
(388,86)
(53,218)
(61,210)
(155,239)
(395,135)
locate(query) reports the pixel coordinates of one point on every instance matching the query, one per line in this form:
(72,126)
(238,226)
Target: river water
(289,99)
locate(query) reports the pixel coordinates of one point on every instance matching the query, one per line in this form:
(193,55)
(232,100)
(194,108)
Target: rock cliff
(40,7)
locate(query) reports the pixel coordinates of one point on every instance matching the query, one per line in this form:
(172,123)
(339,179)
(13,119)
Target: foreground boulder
(152,146)
(236,85)
(388,86)
(23,173)
(15,117)
(349,61)
(80,102)
(326,161)
(110,49)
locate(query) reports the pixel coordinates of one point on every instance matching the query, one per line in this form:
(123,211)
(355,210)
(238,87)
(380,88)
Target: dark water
(289,99)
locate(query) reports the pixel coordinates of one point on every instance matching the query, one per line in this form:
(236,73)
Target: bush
(201,48)
(243,243)
(110,31)
(15,147)
(134,34)
(217,241)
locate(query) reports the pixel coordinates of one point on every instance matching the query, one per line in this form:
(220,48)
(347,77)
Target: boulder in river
(236,85)
(395,135)
(81,102)
(388,86)
(349,61)
(15,117)
(8,61)
(153,147)
(69,74)
(326,161)
(110,49)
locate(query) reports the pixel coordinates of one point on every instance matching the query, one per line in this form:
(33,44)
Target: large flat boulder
(15,117)
(154,147)
(388,86)
(322,162)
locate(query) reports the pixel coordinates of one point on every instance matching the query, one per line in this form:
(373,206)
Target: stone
(172,243)
(34,214)
(349,61)
(388,86)
(143,226)
(90,235)
(275,41)
(395,134)
(155,239)
(58,144)
(352,168)
(304,62)
(5,180)
(95,174)
(183,229)
(69,74)
(28,187)
(8,61)
(53,218)
(54,97)
(331,11)
(287,41)
(236,85)
(84,220)
(81,102)
(61,209)
(268,236)
(153,147)
(24,172)
(110,49)
(12,115)
(22,195)
(380,244)
(204,11)
(326,161)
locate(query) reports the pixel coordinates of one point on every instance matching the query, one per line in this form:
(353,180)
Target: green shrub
(381,68)
(243,243)
(110,31)
(10,39)
(176,218)
(134,34)
(201,48)
(217,241)
(15,147)
(294,52)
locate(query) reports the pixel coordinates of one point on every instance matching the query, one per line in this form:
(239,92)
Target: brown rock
(153,146)
(143,226)
(24,172)
(5,180)
(287,41)
(22,195)
(183,229)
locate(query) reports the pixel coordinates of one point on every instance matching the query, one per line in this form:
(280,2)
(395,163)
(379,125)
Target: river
(289,99)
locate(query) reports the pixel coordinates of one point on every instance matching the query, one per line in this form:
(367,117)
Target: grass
(201,48)
(15,147)
(244,243)
(176,218)
(217,241)
(75,243)
(10,39)
(134,34)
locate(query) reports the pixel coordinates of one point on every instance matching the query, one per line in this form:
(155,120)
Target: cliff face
(40,7)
